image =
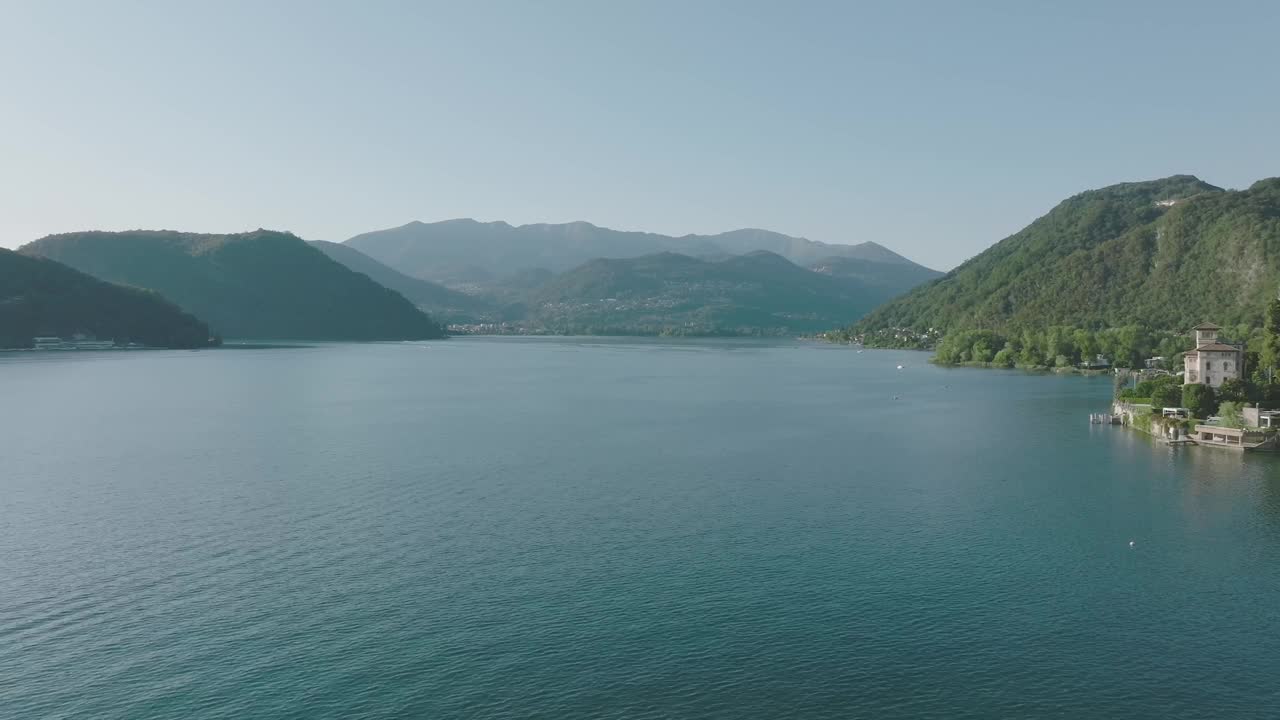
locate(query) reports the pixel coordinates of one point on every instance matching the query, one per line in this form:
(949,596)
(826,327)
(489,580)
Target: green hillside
(42,297)
(261,284)
(756,294)
(1164,254)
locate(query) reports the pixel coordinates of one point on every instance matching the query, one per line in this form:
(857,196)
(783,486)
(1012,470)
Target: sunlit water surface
(521,528)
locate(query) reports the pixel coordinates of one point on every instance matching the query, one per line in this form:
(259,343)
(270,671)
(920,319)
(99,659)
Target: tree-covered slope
(894,278)
(759,293)
(441,302)
(1166,254)
(261,284)
(42,297)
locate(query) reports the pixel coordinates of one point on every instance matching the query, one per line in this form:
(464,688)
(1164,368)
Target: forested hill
(42,297)
(1166,254)
(261,284)
(759,293)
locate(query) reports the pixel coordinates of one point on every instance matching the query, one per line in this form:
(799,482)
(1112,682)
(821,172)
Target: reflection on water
(1225,485)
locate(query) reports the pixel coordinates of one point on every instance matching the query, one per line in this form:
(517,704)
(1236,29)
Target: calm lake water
(525,528)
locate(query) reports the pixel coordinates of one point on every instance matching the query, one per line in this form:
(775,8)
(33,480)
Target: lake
(583,528)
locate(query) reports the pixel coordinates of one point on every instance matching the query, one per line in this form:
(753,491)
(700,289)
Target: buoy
(899,367)
(1130,543)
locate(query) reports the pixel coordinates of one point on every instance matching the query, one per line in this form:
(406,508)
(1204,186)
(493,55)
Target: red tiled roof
(1218,347)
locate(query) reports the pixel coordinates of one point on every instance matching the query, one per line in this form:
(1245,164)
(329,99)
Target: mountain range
(552,278)
(261,284)
(461,252)
(1166,254)
(40,297)
(273,285)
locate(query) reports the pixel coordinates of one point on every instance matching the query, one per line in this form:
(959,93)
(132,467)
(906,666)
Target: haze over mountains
(578,277)
(1166,254)
(273,285)
(467,251)
(434,298)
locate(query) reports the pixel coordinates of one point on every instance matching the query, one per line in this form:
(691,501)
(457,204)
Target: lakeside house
(1211,362)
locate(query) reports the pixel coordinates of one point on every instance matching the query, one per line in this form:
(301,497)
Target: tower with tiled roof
(1211,362)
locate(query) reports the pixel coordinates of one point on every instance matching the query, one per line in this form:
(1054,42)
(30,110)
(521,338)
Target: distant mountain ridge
(41,297)
(466,251)
(261,284)
(760,293)
(1164,253)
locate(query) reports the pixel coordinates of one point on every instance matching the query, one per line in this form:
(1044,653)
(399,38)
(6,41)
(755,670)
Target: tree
(1006,357)
(1166,395)
(1121,384)
(1233,390)
(1086,344)
(981,351)
(1199,399)
(1269,356)
(1030,355)
(1231,415)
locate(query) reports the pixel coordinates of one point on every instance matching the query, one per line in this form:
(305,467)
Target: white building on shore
(1211,362)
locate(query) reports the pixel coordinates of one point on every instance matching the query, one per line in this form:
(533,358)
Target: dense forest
(42,297)
(262,284)
(1163,255)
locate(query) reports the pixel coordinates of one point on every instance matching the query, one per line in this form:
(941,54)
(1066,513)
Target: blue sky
(933,128)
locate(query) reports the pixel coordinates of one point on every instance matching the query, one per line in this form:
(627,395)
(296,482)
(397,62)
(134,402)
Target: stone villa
(1211,362)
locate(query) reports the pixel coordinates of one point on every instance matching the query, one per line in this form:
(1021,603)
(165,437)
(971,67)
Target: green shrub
(1230,413)
(1168,395)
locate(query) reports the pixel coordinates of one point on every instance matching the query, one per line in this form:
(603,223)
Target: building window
(1208,366)
(1226,365)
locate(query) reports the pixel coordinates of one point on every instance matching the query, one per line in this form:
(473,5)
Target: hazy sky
(932,128)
